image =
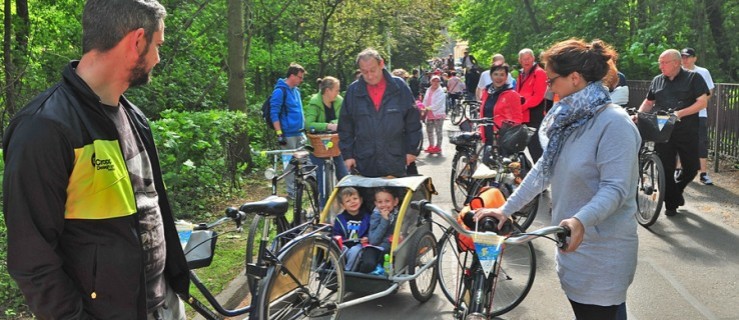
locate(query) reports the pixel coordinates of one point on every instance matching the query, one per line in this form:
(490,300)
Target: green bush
(198,153)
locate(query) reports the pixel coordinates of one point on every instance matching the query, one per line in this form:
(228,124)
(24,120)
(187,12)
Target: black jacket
(73,244)
(379,140)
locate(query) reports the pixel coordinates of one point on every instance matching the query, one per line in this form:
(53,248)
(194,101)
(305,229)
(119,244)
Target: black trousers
(594,312)
(371,257)
(685,144)
(536,116)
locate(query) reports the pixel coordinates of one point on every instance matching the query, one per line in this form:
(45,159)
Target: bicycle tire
(649,198)
(321,286)
(252,240)
(423,286)
(305,206)
(457,114)
(450,268)
(461,178)
(515,277)
(526,216)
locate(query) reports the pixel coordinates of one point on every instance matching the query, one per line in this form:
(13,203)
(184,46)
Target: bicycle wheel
(422,253)
(461,178)
(307,284)
(514,277)
(457,113)
(650,193)
(305,206)
(451,267)
(526,216)
(252,242)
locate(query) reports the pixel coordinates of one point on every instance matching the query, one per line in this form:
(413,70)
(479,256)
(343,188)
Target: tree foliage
(640,30)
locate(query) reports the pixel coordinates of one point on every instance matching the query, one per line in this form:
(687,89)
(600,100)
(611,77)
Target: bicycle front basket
(325,145)
(657,128)
(200,248)
(468,139)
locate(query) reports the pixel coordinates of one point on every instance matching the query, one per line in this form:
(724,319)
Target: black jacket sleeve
(38,161)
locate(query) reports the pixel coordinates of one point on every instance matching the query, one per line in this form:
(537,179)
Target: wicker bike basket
(325,145)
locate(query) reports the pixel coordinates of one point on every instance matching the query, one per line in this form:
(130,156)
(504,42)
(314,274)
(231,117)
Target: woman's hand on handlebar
(332,127)
(496,213)
(577,232)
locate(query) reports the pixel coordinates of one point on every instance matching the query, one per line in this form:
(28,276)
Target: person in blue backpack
(352,224)
(286,112)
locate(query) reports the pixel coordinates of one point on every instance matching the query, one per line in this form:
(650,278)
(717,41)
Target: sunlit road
(688,265)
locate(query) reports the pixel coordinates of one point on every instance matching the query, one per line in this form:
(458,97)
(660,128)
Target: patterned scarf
(567,115)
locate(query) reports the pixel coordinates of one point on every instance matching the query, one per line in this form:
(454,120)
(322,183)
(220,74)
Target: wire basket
(325,145)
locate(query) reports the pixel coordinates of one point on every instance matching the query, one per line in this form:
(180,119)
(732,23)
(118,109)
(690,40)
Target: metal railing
(723,118)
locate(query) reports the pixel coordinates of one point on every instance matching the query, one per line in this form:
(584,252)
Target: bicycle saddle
(272,206)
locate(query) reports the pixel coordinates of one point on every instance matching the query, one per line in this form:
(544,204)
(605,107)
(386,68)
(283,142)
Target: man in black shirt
(686,93)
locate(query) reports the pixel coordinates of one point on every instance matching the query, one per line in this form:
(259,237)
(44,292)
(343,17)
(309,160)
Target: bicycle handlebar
(281,151)
(561,231)
(232,214)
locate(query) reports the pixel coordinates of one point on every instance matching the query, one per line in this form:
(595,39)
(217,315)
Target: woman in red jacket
(500,101)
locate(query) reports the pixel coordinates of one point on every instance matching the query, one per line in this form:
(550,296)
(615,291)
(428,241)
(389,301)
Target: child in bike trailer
(351,224)
(382,223)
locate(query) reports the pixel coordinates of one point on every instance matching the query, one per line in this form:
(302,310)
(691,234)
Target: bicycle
(305,204)
(475,292)
(651,183)
(464,109)
(468,178)
(302,279)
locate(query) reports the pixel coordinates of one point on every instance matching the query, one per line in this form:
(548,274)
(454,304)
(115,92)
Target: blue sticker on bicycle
(286,160)
(487,247)
(661,121)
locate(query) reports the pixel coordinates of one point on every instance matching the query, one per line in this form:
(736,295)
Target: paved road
(688,265)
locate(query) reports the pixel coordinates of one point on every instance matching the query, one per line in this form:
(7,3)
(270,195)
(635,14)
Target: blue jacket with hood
(291,120)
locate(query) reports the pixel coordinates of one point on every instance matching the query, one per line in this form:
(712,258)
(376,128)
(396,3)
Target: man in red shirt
(531,85)
(379,125)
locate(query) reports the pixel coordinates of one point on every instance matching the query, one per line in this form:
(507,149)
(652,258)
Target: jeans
(341,172)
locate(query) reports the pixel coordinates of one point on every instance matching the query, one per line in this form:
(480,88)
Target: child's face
(352,203)
(384,201)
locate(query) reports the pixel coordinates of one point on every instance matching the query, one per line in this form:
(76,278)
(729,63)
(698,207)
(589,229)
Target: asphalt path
(688,265)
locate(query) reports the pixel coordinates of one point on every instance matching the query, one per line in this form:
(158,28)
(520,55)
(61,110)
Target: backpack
(266,108)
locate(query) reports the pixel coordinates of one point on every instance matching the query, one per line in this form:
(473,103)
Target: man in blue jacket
(379,126)
(91,234)
(286,110)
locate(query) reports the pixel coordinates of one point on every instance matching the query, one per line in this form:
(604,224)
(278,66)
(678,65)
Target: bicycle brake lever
(562,238)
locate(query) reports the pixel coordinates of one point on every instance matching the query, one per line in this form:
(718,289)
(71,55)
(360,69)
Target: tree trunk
(324,35)
(8,68)
(532,16)
(723,44)
(239,149)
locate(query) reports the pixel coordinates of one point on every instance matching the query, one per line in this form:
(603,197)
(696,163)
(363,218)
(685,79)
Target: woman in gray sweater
(591,163)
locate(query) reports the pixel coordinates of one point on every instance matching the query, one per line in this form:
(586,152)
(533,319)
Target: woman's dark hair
(591,60)
(496,67)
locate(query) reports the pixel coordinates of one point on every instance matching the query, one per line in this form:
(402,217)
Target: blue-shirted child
(352,224)
(382,223)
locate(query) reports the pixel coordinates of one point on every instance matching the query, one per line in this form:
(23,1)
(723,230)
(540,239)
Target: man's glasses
(551,80)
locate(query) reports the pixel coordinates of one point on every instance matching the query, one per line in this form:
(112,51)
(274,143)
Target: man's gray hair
(675,55)
(106,22)
(526,51)
(367,54)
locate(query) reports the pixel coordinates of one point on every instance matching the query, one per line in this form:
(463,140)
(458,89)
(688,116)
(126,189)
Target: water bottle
(387,265)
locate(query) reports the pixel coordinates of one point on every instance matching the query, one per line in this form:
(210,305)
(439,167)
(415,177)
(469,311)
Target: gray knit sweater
(594,180)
